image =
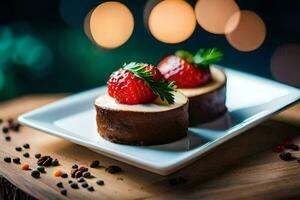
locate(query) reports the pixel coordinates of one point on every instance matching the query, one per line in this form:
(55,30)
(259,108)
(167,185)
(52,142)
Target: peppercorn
(100,182)
(41,169)
(26,146)
(95,164)
(113,169)
(18,148)
(63,192)
(60,185)
(7,138)
(37,155)
(7,159)
(26,155)
(16,160)
(35,174)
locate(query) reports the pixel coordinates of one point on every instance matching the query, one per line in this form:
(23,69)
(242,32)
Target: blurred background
(54,46)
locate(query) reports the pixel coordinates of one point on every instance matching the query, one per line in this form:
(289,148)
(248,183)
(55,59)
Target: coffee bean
(37,155)
(5,130)
(95,164)
(74,185)
(18,148)
(63,192)
(16,160)
(35,174)
(286,156)
(83,169)
(80,180)
(60,185)
(86,175)
(7,159)
(91,189)
(7,138)
(45,161)
(84,185)
(26,155)
(113,169)
(41,169)
(78,174)
(75,166)
(100,182)
(26,146)
(55,163)
(64,175)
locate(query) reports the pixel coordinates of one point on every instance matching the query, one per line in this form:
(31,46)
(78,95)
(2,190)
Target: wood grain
(244,167)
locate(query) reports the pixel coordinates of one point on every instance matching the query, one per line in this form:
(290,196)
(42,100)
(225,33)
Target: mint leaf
(208,56)
(186,55)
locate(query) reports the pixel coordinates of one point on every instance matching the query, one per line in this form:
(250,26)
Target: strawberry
(137,83)
(187,70)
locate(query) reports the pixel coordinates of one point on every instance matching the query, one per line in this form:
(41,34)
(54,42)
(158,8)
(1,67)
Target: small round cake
(142,124)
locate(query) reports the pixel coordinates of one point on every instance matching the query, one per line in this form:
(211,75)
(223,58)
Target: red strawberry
(127,88)
(185,74)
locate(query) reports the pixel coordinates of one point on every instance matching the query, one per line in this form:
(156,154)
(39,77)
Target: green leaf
(161,88)
(186,55)
(208,56)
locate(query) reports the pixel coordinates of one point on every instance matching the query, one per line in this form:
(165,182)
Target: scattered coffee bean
(75,166)
(83,169)
(286,156)
(35,174)
(25,166)
(7,138)
(26,155)
(63,192)
(45,161)
(78,174)
(16,160)
(60,185)
(74,185)
(84,185)
(70,181)
(64,175)
(91,189)
(5,130)
(177,181)
(57,173)
(26,146)
(113,169)
(37,155)
(80,180)
(100,182)
(18,148)
(55,163)
(7,159)
(95,164)
(86,175)
(41,169)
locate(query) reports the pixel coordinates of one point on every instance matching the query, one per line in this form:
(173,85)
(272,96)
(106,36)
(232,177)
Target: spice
(37,155)
(45,161)
(80,180)
(113,169)
(60,185)
(84,185)
(5,130)
(18,148)
(91,189)
(26,155)
(64,192)
(70,181)
(57,173)
(75,166)
(74,185)
(100,182)
(95,164)
(78,172)
(7,159)
(41,169)
(7,138)
(86,175)
(25,166)
(55,163)
(64,175)
(35,174)
(26,146)
(16,160)
(286,156)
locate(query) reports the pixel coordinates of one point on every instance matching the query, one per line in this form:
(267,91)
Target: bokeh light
(213,15)
(86,25)
(111,24)
(172,21)
(250,32)
(285,64)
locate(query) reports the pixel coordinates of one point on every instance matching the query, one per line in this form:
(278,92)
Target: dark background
(43,48)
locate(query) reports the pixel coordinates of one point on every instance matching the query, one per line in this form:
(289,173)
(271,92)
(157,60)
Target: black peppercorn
(5,130)
(16,160)
(63,192)
(18,148)
(37,155)
(84,185)
(35,174)
(7,138)
(60,185)
(100,182)
(26,146)
(91,188)
(41,169)
(7,159)
(95,164)
(26,155)
(113,169)
(74,185)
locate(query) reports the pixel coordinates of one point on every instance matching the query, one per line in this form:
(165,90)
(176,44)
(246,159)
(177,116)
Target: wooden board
(242,167)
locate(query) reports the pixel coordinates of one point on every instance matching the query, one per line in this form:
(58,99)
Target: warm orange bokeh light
(285,64)
(111,24)
(172,21)
(86,25)
(249,33)
(212,15)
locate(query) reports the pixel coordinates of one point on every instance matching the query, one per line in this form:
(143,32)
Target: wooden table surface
(244,167)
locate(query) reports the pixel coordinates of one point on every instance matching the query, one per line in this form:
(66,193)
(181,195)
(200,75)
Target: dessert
(141,108)
(202,83)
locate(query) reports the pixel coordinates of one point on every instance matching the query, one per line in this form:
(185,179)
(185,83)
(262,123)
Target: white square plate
(250,100)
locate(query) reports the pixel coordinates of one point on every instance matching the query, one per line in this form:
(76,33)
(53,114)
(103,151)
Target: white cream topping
(106,101)
(219,78)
